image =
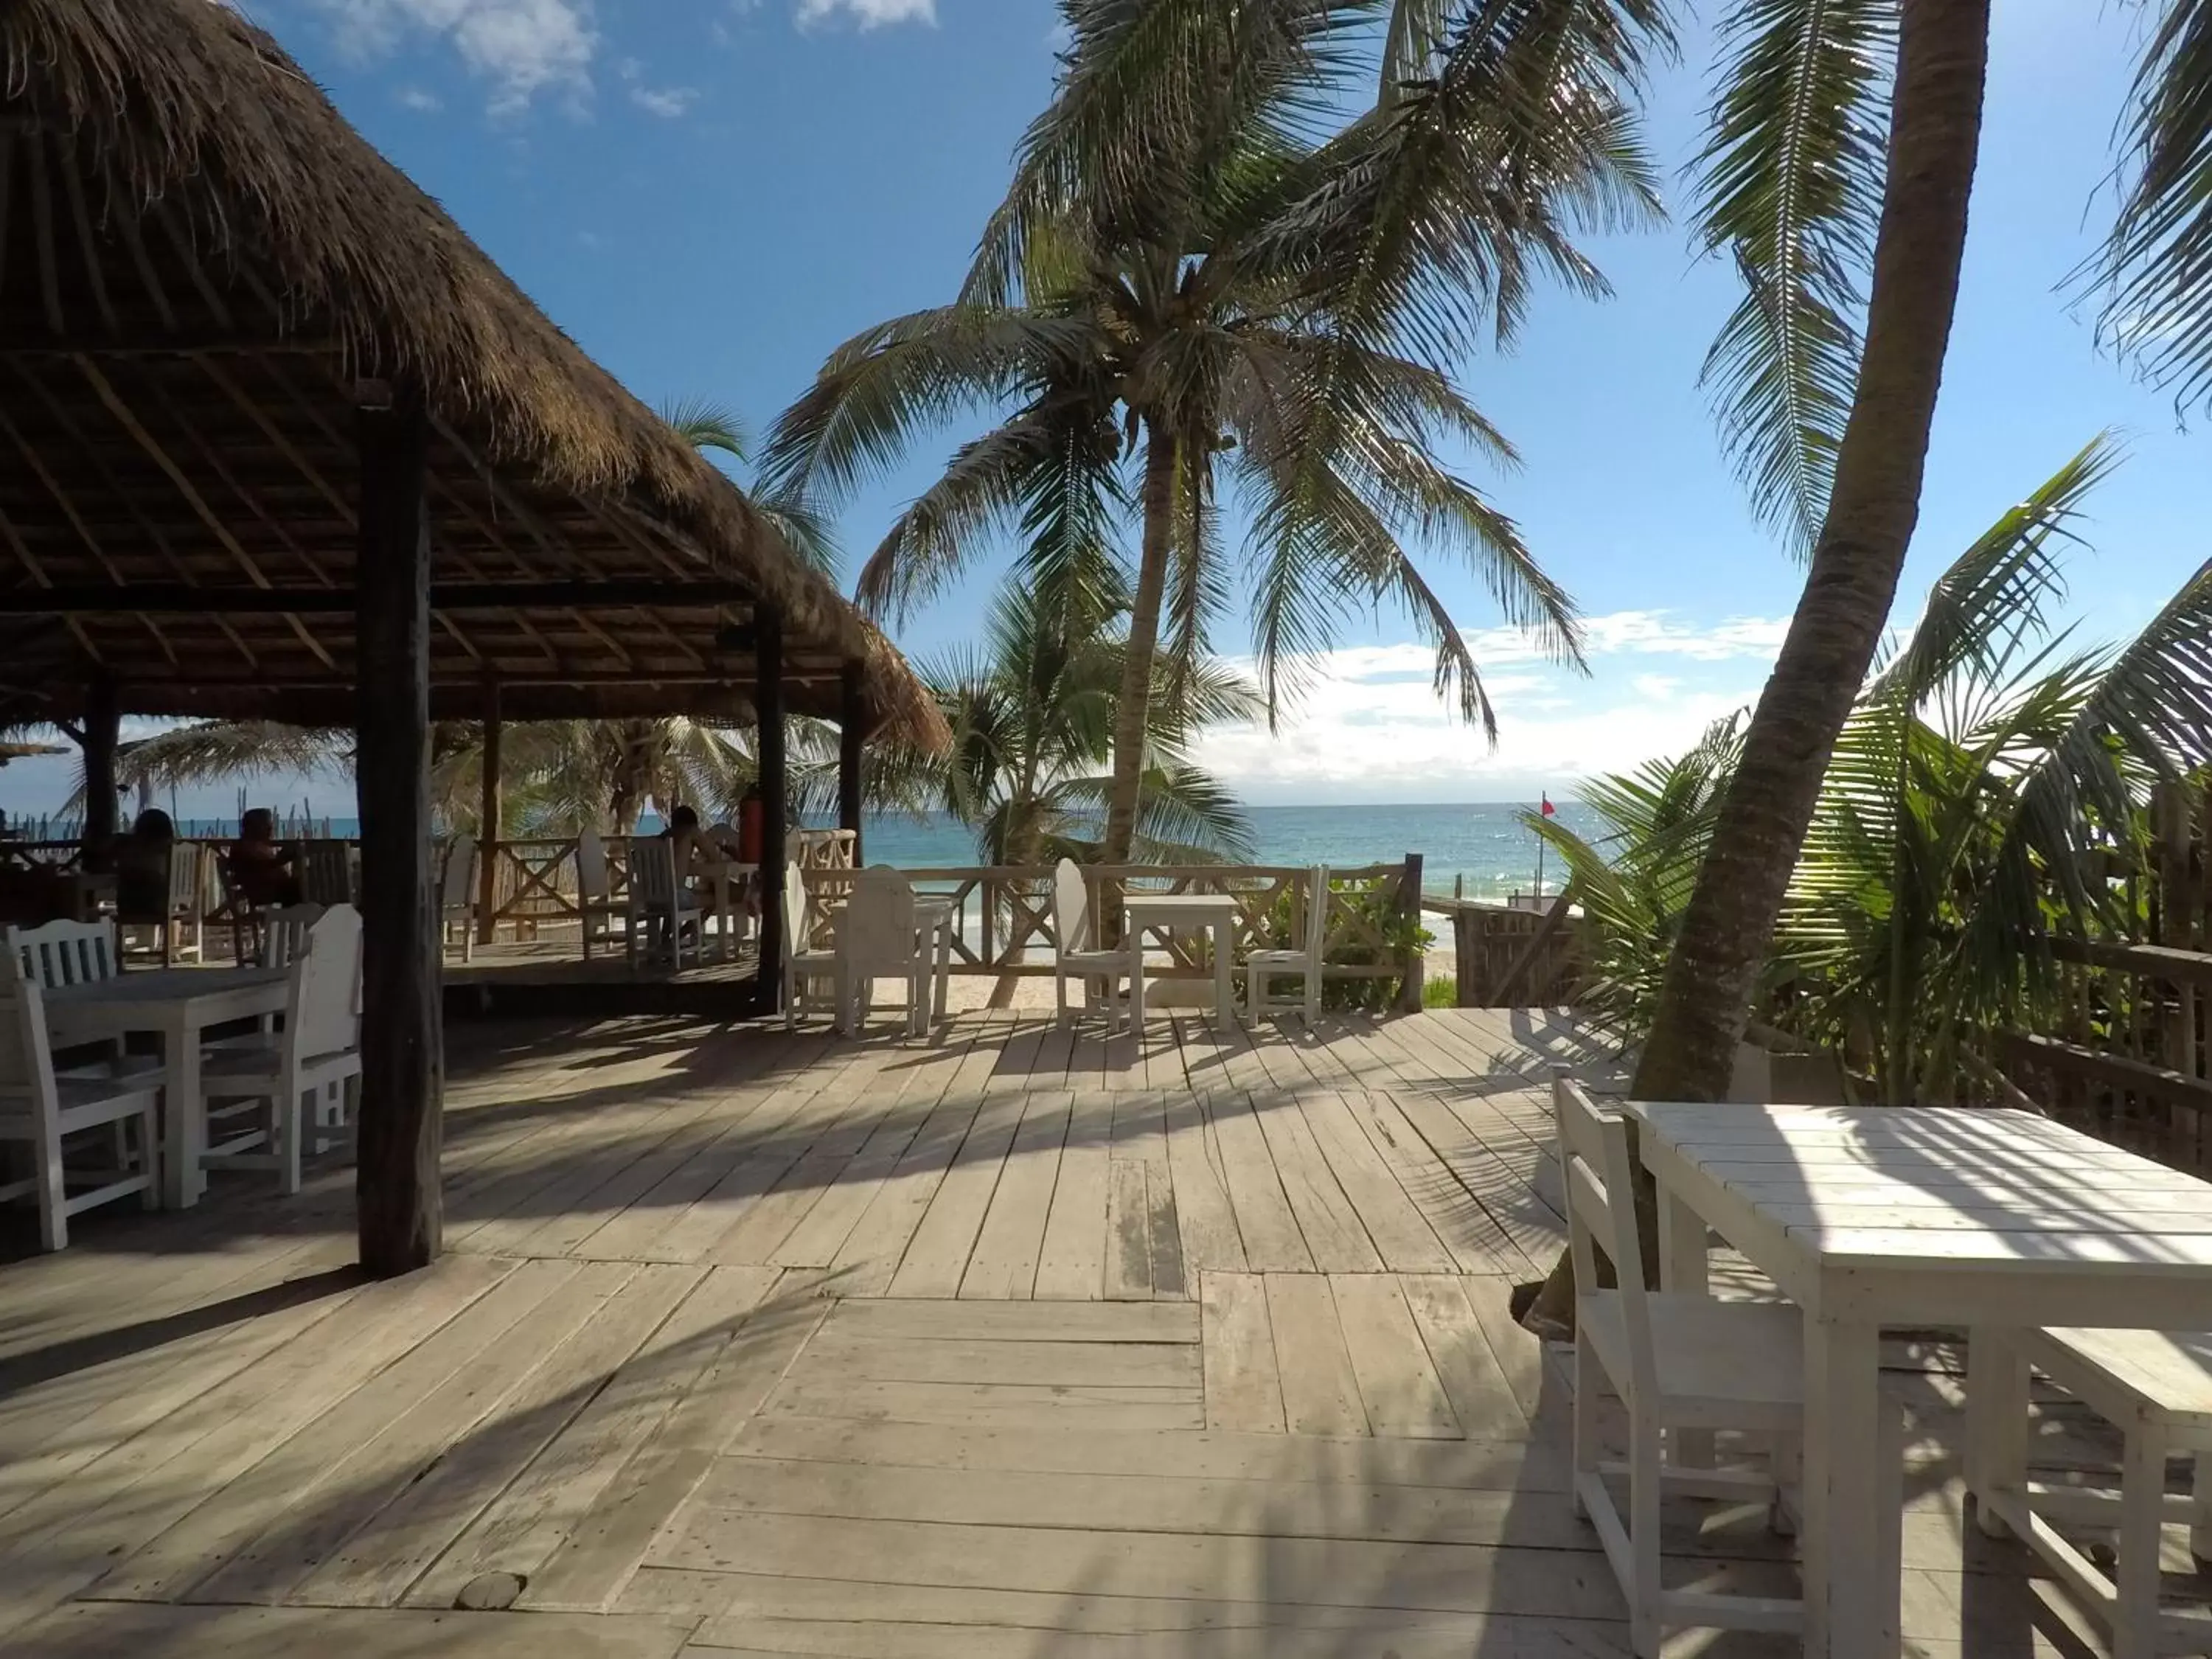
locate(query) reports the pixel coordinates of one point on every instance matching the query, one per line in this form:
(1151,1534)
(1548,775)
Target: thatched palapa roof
(202,266)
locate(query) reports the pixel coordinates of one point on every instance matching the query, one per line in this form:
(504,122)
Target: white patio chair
(457,895)
(184,908)
(1301,963)
(1678,1362)
(326,869)
(65,952)
(596,908)
(805,970)
(298,1085)
(39,1107)
(1076,953)
(875,940)
(658,905)
(2156,1387)
(284,932)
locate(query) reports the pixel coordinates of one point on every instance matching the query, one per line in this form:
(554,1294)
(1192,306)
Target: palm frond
(2156,267)
(1789,184)
(706,424)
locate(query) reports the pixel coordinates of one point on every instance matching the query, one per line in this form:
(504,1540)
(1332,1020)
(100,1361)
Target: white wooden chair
(1076,954)
(457,895)
(304,1078)
(1301,963)
(657,909)
(2156,1387)
(39,1107)
(596,908)
(284,932)
(1678,1363)
(876,939)
(65,952)
(326,869)
(184,910)
(806,971)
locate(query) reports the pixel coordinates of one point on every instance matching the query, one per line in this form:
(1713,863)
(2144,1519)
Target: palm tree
(716,429)
(1965,817)
(1032,719)
(1032,714)
(1193,282)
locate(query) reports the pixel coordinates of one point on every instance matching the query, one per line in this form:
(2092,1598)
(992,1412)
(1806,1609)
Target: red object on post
(749,830)
(1549,810)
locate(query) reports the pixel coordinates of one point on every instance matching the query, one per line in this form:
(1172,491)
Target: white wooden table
(179,1005)
(1187,912)
(1992,1220)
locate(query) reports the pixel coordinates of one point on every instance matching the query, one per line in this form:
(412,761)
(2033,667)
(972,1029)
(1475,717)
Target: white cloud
(415,98)
(522,47)
(1370,727)
(868,14)
(667,102)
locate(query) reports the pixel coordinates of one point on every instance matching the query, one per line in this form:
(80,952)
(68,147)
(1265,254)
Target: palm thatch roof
(204,271)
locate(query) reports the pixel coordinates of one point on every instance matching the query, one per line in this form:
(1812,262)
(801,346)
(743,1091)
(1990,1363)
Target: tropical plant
(1032,719)
(1199,282)
(716,429)
(1965,815)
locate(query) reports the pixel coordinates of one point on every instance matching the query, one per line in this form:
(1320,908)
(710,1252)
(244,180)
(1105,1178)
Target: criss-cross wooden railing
(1003,914)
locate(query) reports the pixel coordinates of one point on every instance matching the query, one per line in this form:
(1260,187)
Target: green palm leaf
(1790,185)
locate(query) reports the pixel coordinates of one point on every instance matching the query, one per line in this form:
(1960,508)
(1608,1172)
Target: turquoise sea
(1484,847)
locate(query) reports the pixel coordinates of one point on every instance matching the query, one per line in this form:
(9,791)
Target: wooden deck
(1014,1342)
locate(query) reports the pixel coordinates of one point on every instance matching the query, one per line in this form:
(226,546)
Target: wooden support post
(852,739)
(1409,911)
(767,706)
(400,1207)
(488,817)
(103,725)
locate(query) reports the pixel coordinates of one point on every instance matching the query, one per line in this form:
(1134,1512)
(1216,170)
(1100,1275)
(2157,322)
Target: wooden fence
(2128,1060)
(1506,956)
(1003,916)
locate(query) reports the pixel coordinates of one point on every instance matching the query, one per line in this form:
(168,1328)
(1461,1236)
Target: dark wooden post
(767,707)
(489,818)
(852,743)
(396,1188)
(1409,908)
(103,726)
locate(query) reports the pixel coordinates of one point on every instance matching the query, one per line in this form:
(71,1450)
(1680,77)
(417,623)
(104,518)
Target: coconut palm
(716,429)
(1841,157)
(1197,288)
(1965,814)
(1032,719)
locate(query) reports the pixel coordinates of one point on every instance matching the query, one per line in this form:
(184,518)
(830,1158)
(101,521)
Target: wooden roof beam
(620,594)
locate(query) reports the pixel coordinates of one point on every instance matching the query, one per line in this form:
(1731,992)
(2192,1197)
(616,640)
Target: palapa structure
(277,440)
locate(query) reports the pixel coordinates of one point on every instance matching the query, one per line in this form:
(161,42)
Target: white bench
(2156,1387)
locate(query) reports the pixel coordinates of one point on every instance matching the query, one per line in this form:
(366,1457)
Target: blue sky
(710,194)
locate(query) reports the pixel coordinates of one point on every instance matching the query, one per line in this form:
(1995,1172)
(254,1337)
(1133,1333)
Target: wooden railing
(1003,915)
(1507,956)
(2128,1062)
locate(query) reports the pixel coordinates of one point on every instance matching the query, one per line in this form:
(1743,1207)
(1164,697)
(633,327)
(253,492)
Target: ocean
(1482,848)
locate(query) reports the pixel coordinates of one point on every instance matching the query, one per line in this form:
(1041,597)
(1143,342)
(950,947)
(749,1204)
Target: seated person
(140,862)
(260,868)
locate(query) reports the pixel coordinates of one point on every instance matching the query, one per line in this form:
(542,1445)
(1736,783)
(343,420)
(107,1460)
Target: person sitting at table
(261,868)
(141,864)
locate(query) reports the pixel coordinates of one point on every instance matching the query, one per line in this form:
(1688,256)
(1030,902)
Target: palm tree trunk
(1132,710)
(1935,134)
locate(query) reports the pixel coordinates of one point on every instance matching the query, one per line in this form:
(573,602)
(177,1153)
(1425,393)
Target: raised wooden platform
(1012,1342)
(547,977)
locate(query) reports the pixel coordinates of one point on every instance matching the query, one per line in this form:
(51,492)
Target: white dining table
(721,876)
(1994,1221)
(1187,912)
(178,1005)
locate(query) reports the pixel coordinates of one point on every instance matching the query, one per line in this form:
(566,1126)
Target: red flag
(1549,810)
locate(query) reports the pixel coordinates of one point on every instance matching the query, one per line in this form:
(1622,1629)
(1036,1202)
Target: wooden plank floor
(1015,1341)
